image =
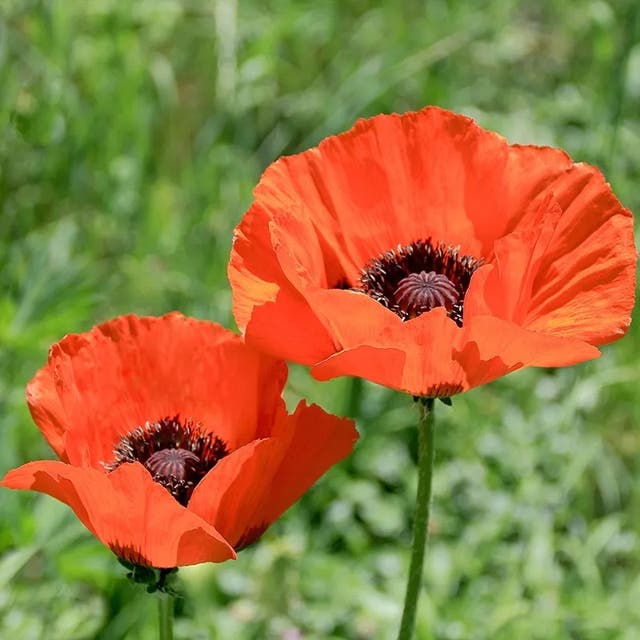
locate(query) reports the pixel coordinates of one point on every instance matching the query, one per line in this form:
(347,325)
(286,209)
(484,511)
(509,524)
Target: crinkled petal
(395,179)
(100,385)
(585,287)
(249,489)
(504,287)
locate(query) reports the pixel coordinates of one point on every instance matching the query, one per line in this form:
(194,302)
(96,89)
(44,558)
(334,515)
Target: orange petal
(379,364)
(253,267)
(298,249)
(315,440)
(349,317)
(268,309)
(504,287)
(586,283)
(48,411)
(492,347)
(520,176)
(128,512)
(395,179)
(414,357)
(132,369)
(289,328)
(352,318)
(249,489)
(230,495)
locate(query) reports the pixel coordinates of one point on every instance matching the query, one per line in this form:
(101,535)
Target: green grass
(131,135)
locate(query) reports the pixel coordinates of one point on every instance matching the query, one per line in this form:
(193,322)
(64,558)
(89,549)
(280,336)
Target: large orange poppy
(175,445)
(425,253)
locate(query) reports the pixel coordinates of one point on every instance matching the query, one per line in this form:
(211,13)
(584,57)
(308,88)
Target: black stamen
(419,277)
(178,455)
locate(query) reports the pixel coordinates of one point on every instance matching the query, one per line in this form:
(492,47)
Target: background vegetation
(131,135)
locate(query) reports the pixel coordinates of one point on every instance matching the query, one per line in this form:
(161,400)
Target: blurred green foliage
(131,137)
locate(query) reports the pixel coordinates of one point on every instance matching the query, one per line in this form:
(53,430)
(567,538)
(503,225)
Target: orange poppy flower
(428,255)
(175,446)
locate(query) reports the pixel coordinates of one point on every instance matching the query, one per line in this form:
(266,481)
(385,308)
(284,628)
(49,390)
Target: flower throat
(176,454)
(418,277)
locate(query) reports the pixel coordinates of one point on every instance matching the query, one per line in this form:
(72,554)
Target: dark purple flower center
(177,454)
(180,464)
(418,277)
(420,292)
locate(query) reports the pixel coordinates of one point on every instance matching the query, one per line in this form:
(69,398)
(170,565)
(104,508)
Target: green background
(131,135)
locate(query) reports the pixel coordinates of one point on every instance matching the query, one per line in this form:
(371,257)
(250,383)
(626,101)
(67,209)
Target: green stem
(354,397)
(421,519)
(165,616)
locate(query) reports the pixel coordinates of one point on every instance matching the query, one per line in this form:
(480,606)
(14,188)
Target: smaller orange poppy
(175,445)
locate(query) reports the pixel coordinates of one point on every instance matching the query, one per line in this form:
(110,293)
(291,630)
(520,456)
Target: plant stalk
(165,616)
(421,518)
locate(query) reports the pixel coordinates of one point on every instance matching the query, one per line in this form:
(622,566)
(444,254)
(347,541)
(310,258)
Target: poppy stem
(165,616)
(421,518)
